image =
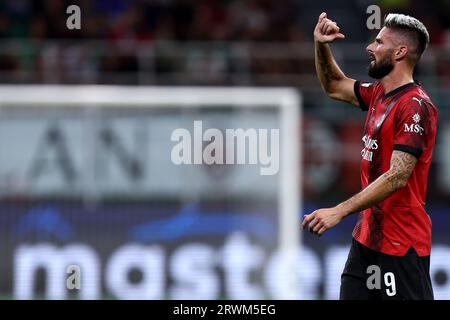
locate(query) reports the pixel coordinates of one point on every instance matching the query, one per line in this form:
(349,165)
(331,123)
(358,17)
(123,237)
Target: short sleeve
(414,122)
(364,92)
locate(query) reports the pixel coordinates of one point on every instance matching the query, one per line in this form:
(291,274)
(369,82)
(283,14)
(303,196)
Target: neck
(396,78)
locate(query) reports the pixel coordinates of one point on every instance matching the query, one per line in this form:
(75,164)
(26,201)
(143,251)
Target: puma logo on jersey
(418,100)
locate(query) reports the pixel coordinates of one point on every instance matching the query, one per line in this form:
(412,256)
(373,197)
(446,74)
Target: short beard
(379,70)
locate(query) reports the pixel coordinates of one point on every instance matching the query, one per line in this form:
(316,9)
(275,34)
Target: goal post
(98,100)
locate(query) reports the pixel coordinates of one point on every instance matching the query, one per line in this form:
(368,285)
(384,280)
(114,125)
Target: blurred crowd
(126,25)
(179,20)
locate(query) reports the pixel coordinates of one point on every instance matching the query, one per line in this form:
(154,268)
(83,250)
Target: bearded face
(381,67)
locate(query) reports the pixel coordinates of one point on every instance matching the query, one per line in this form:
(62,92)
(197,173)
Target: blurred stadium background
(94,186)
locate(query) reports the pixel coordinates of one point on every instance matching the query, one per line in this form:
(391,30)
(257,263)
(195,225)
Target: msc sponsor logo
(414,127)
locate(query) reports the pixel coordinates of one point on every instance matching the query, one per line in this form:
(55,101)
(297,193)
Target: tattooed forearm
(333,81)
(402,166)
(326,67)
(322,66)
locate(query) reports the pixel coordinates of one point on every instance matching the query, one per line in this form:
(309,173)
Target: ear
(400,53)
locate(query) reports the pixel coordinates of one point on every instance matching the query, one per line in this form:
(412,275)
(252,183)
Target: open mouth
(371,57)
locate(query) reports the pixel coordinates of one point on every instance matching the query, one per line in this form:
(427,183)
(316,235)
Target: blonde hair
(412,28)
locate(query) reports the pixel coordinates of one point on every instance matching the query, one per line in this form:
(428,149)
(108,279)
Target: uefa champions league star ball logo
(416,118)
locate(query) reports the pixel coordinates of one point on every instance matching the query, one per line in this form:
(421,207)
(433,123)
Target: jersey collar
(397,90)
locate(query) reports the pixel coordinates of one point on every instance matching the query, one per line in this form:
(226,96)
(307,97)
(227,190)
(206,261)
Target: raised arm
(334,82)
(402,166)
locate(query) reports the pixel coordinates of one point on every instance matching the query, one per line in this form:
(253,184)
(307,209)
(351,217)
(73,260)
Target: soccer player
(392,239)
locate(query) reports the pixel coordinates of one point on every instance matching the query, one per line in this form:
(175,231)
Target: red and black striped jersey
(404,119)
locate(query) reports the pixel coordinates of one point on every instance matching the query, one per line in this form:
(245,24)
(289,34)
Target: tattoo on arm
(324,63)
(327,69)
(402,165)
(332,80)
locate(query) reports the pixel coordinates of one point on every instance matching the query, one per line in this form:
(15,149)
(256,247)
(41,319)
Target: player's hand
(321,220)
(326,30)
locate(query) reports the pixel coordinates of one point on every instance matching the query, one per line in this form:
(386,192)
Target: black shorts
(372,275)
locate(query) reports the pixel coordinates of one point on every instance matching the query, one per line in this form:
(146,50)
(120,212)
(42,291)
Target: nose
(369,48)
